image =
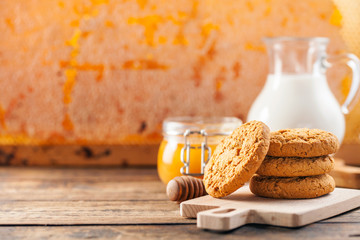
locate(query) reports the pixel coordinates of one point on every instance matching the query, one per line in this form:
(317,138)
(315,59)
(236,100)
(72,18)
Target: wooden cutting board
(243,207)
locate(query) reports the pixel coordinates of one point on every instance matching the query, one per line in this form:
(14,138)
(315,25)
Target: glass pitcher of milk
(296,93)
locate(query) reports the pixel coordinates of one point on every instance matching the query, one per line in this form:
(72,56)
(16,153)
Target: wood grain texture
(79,184)
(322,231)
(84,196)
(129,203)
(89,212)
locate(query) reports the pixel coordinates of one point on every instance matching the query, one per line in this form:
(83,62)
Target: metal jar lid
(177,126)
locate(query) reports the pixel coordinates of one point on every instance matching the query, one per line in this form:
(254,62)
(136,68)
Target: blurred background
(89,82)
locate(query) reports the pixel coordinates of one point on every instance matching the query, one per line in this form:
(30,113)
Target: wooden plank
(78,155)
(314,231)
(33,190)
(89,212)
(78,196)
(80,184)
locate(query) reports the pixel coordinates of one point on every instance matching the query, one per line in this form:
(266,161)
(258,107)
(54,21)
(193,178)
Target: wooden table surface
(52,203)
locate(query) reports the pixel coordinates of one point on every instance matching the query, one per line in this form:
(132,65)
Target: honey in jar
(188,143)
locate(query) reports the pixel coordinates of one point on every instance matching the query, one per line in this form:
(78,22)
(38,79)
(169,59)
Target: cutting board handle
(223,218)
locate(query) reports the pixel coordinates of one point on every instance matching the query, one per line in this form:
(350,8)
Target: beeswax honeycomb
(106,71)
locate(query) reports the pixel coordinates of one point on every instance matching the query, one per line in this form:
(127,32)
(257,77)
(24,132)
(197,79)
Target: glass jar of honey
(188,143)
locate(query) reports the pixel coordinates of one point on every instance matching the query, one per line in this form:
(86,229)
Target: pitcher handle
(353,62)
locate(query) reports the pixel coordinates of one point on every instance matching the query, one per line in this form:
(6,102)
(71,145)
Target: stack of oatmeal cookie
(296,165)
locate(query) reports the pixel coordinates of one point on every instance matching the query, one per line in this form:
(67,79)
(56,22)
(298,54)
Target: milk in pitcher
(298,101)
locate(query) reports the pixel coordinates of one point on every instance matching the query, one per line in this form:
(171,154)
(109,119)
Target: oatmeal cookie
(302,142)
(292,187)
(236,159)
(295,166)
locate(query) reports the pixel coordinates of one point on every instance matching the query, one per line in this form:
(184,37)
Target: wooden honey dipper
(184,188)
